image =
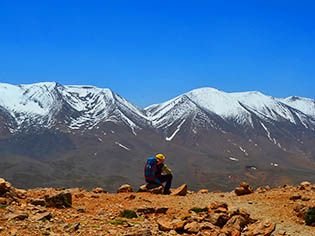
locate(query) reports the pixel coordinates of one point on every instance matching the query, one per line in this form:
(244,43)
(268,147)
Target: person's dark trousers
(168,179)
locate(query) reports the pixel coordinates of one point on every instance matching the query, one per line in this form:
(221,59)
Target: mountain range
(84,136)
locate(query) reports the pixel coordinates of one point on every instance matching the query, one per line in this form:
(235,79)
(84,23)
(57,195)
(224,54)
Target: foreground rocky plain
(50,211)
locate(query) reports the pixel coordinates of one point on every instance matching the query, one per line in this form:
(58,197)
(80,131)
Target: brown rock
(305,184)
(60,200)
(203,191)
(98,190)
(243,189)
(38,202)
(125,188)
(244,185)
(261,228)
(16,216)
(178,224)
(300,211)
(295,197)
(42,216)
(180,191)
(144,232)
(235,223)
(3,201)
(239,191)
(218,207)
(218,219)
(4,186)
(155,189)
(164,224)
(192,227)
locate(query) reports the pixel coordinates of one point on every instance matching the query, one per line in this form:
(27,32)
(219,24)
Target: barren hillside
(47,211)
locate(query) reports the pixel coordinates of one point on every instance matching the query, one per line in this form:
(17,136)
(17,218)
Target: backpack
(150,169)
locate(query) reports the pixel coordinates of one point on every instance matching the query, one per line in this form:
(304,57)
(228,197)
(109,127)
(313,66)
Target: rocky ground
(47,211)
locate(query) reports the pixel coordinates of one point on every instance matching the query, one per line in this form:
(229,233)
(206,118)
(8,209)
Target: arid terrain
(266,211)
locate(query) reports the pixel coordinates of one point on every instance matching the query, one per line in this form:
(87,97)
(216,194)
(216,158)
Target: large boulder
(60,200)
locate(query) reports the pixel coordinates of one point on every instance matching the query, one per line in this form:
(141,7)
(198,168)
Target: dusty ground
(98,213)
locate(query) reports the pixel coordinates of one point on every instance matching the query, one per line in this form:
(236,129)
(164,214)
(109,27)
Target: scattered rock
(16,216)
(125,188)
(300,211)
(42,216)
(243,189)
(81,209)
(71,228)
(151,210)
(165,224)
(260,228)
(4,186)
(295,197)
(98,190)
(203,191)
(131,197)
(155,189)
(38,202)
(60,200)
(192,228)
(180,191)
(128,214)
(305,184)
(144,232)
(4,201)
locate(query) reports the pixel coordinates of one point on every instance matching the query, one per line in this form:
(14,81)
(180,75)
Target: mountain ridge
(86,135)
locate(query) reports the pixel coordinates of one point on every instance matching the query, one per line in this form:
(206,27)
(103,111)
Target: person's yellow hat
(160,156)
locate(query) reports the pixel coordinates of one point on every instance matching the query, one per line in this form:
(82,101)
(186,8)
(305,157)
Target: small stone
(42,216)
(98,190)
(131,197)
(305,199)
(38,202)
(203,191)
(295,197)
(180,191)
(125,188)
(282,232)
(192,227)
(16,216)
(81,209)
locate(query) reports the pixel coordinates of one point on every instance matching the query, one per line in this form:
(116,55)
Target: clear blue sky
(150,51)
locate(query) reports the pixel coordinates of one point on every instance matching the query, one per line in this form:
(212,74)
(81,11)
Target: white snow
(122,146)
(274,164)
(176,131)
(267,131)
(305,105)
(40,103)
(237,106)
(243,150)
(233,159)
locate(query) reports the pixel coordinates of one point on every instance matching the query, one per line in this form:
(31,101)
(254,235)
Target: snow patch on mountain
(305,105)
(175,132)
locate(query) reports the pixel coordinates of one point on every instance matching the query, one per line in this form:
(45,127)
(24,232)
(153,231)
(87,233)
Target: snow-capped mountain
(240,107)
(84,133)
(49,104)
(305,105)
